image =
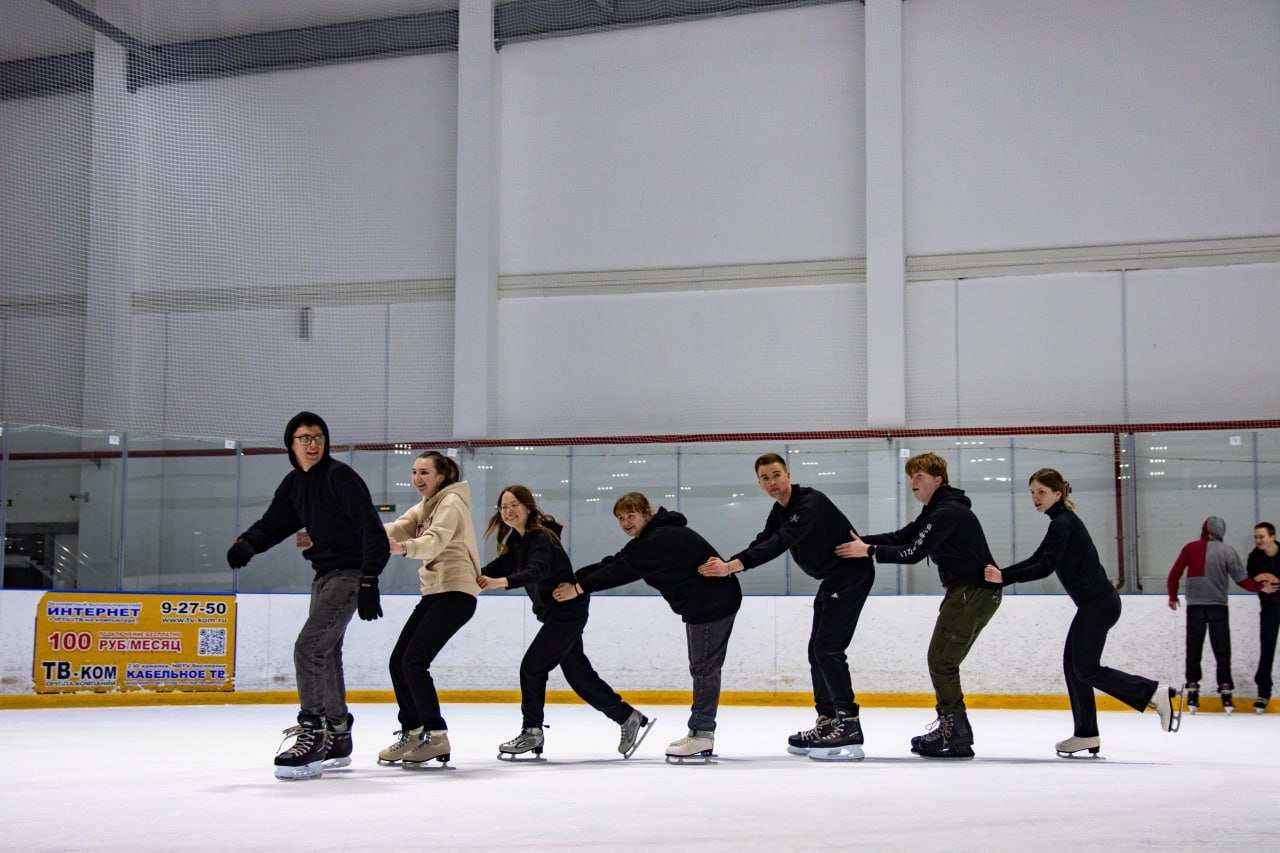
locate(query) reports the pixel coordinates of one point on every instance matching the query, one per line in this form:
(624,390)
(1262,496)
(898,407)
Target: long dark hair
(1054,482)
(538,520)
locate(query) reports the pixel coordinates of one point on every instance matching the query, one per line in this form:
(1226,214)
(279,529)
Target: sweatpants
(560,644)
(1082,667)
(431,624)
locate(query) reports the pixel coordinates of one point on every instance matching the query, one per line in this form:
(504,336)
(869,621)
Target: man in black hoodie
(349,550)
(666,553)
(949,532)
(806,522)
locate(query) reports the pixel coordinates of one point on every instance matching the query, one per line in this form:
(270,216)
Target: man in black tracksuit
(805,522)
(349,550)
(666,553)
(1264,565)
(948,532)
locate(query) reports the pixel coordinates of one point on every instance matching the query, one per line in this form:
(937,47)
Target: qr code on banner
(213,642)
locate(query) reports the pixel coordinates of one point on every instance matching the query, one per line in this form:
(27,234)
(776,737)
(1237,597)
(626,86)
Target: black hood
(666,518)
(297,421)
(946,493)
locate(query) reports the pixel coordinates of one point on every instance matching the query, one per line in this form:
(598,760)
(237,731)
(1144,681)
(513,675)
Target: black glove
(239,554)
(367,603)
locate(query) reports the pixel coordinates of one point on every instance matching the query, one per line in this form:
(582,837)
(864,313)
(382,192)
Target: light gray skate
(526,746)
(635,729)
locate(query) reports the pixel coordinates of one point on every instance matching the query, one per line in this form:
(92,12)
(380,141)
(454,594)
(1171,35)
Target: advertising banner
(110,641)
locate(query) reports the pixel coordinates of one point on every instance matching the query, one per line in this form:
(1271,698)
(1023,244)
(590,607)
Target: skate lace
(946,725)
(305,740)
(402,737)
(818,728)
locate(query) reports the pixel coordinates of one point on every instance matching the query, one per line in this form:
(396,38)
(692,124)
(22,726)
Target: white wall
(636,643)
(1037,124)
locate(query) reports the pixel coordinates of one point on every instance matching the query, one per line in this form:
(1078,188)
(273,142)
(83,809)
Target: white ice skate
(1260,705)
(693,748)
(1169,710)
(1072,746)
(635,729)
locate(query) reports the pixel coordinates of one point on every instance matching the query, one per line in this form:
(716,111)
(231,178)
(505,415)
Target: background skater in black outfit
(348,552)
(1068,550)
(530,556)
(1263,565)
(666,553)
(806,522)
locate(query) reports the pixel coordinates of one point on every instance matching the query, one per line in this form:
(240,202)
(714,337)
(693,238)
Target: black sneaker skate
(305,759)
(842,741)
(952,738)
(1193,696)
(529,740)
(339,745)
(801,742)
(1228,704)
(634,730)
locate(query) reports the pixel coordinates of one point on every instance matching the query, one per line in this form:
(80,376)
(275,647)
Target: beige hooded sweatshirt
(440,533)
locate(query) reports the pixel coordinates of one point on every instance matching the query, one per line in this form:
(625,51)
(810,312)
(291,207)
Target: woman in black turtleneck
(1068,551)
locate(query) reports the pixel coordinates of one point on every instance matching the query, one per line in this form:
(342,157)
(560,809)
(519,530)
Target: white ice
(200,778)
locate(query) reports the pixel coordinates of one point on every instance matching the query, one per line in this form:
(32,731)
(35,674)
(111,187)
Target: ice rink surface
(200,778)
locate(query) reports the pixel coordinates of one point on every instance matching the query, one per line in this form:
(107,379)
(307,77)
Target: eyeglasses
(509,507)
(307,440)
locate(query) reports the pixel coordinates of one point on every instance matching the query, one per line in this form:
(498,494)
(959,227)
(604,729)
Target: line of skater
(350,547)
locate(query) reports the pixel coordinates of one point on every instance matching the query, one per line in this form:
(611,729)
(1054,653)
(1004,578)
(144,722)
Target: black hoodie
(811,527)
(947,531)
(666,555)
(1068,550)
(332,503)
(538,563)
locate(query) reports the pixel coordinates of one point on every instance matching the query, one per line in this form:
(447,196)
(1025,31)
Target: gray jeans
(317,653)
(708,642)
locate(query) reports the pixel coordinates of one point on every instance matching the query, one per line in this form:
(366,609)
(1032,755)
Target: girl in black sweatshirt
(1068,551)
(530,555)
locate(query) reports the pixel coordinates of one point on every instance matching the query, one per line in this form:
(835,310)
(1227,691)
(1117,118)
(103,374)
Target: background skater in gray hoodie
(1208,562)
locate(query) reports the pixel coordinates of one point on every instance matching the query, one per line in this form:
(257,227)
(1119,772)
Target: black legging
(431,624)
(1081,664)
(560,644)
(1216,618)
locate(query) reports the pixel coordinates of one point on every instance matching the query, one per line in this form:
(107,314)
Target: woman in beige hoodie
(439,531)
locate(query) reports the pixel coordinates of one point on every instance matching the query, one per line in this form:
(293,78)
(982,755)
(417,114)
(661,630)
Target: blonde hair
(633,502)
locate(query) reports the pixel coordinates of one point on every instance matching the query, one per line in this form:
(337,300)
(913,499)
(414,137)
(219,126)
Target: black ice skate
(305,759)
(1228,704)
(693,748)
(1260,704)
(951,737)
(526,746)
(842,741)
(1193,696)
(1168,702)
(634,730)
(1072,746)
(801,742)
(340,745)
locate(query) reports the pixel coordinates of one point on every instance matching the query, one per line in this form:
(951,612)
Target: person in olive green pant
(948,532)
